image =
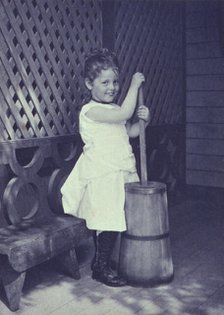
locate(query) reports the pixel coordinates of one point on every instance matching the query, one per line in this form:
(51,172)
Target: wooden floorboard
(197,235)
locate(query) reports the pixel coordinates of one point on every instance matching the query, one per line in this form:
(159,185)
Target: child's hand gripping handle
(143,162)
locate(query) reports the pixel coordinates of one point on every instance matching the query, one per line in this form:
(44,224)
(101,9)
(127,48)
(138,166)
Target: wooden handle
(143,162)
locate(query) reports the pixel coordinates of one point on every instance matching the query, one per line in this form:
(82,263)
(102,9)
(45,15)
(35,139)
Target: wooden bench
(30,243)
(33,228)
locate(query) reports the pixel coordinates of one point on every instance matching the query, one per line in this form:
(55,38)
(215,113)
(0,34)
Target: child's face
(105,87)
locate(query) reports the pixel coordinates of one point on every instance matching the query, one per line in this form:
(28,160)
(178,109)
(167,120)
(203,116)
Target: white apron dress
(94,190)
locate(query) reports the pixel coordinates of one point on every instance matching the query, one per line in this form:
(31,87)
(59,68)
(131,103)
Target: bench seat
(32,242)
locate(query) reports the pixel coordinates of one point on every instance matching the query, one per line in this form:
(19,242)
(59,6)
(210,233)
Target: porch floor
(197,234)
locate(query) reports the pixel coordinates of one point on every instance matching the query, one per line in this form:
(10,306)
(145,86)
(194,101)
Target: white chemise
(94,190)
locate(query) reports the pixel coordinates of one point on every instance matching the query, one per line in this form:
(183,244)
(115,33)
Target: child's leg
(101,267)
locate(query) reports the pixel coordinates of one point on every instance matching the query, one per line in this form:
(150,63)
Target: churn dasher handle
(143,163)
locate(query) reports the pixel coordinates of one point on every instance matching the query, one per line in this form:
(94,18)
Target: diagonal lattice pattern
(148,38)
(42,51)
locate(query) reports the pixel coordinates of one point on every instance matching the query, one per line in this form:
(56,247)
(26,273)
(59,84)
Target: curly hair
(97,60)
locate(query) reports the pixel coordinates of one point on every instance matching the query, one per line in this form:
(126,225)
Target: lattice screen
(42,50)
(148,38)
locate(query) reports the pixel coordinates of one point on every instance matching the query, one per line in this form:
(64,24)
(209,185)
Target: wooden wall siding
(148,38)
(42,51)
(204,94)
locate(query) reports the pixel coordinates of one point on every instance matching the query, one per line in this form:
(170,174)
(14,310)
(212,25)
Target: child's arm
(133,130)
(123,112)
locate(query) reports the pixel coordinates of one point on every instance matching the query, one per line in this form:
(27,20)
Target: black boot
(101,266)
(112,263)
(95,244)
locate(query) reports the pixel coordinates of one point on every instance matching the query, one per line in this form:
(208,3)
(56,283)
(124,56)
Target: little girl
(94,190)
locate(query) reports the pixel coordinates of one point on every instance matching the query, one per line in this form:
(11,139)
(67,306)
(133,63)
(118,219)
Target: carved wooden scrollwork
(33,173)
(29,169)
(54,195)
(64,152)
(19,189)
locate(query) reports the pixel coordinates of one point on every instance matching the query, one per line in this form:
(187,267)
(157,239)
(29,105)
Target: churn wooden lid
(149,188)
